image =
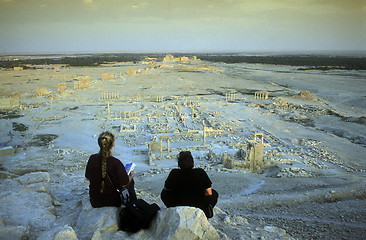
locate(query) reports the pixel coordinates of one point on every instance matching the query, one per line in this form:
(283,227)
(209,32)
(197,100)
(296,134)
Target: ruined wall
(200,68)
(131,71)
(107,76)
(182,59)
(61,87)
(81,84)
(42,91)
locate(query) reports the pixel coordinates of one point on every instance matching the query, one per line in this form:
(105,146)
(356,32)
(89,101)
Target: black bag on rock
(136,215)
(209,211)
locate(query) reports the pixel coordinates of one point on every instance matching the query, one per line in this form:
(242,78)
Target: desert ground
(312,183)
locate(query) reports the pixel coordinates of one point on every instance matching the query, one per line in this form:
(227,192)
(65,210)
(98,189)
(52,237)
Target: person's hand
(132,174)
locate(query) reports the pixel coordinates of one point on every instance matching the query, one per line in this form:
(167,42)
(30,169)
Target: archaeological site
(284,147)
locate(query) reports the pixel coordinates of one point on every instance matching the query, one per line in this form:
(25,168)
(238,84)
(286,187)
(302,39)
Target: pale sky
(43,26)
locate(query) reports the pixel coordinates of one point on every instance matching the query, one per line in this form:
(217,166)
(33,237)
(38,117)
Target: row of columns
(261,95)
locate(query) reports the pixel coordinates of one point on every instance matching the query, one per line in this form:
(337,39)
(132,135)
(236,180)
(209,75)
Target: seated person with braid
(107,173)
(188,186)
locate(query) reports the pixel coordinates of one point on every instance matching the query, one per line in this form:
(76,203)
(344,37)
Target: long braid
(105,142)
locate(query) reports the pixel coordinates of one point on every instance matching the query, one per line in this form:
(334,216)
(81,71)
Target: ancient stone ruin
(42,91)
(61,87)
(230,96)
(131,71)
(110,95)
(82,84)
(256,152)
(168,58)
(107,76)
(261,95)
(251,154)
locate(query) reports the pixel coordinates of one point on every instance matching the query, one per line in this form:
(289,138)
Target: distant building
(168,58)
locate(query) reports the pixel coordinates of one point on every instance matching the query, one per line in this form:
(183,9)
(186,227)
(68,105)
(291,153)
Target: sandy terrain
(313,183)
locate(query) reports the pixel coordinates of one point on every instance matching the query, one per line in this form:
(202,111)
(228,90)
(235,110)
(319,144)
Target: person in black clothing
(104,172)
(188,186)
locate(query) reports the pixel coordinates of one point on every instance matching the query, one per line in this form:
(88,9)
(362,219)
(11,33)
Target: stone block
(91,220)
(182,223)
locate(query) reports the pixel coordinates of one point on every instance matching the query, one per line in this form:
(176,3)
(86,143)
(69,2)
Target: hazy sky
(182,25)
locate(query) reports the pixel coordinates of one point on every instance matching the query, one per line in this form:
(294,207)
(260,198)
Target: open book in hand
(130,167)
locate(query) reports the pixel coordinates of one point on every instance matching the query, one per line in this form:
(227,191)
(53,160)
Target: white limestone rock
(239,220)
(34,177)
(26,201)
(275,230)
(67,233)
(92,220)
(57,232)
(179,223)
(97,236)
(29,209)
(13,232)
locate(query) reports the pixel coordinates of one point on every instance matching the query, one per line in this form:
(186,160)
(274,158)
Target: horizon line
(259,52)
